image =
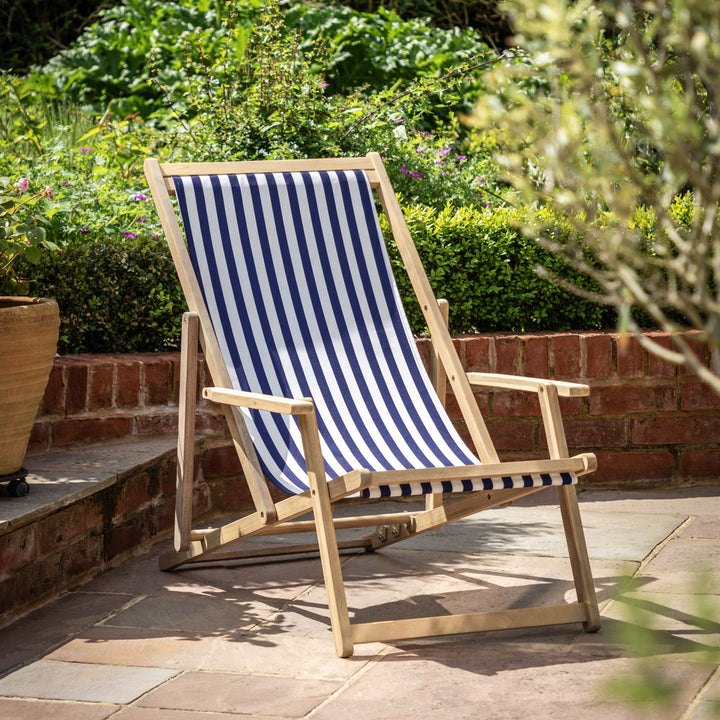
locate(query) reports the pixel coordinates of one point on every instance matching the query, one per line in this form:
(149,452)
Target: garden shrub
(115,294)
(485,267)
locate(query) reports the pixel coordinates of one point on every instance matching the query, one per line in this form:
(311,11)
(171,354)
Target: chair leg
(579,561)
(327,540)
(186,430)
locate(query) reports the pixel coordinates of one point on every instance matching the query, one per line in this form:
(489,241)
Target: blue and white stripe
(296,278)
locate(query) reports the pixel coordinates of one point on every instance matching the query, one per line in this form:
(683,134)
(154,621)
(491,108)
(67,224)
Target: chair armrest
(527,384)
(257,401)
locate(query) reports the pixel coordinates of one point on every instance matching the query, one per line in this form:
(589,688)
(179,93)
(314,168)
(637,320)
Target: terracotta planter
(28,343)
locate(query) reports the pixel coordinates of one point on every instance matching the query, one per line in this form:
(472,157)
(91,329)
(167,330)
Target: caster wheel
(18,487)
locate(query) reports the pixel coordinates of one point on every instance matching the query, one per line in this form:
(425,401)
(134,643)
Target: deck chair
(292,298)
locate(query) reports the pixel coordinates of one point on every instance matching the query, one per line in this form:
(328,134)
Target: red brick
(127,391)
(621,399)
(566,357)
(630,358)
(536,362)
(40,439)
(61,529)
(17,549)
(477,354)
(513,436)
(220,462)
(101,387)
(158,383)
(572,406)
(598,355)
(121,539)
(619,467)
(210,422)
(90,430)
(700,349)
(235,495)
(53,402)
(657,367)
(698,396)
(77,387)
(508,354)
(513,403)
(700,463)
(676,431)
(137,491)
(593,433)
(81,559)
(158,423)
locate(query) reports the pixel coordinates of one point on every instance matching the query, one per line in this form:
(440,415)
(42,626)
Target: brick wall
(649,422)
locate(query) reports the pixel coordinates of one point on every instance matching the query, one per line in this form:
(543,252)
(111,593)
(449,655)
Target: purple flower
(404,170)
(424,134)
(84,231)
(64,182)
(400,120)
(460,158)
(417,175)
(444,152)
(22,185)
(87,149)
(141,220)
(140,196)
(324,84)
(129,234)
(155,235)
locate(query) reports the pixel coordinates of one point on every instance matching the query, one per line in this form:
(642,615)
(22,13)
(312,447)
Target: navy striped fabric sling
(296,278)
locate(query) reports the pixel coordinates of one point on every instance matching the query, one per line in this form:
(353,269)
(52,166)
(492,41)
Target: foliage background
(199,80)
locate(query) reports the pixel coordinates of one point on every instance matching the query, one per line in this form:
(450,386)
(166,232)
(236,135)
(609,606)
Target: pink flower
(129,234)
(87,149)
(22,185)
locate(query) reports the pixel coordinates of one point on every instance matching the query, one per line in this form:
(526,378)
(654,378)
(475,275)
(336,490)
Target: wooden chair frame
(271,517)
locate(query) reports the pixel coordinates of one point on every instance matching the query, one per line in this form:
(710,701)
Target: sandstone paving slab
(705,527)
(56,680)
(692,501)
(286,655)
(139,713)
(21,709)
(706,710)
(53,624)
(248,694)
(464,681)
(225,616)
(538,531)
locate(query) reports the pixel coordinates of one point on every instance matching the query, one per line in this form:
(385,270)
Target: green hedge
(115,295)
(123,295)
(486,268)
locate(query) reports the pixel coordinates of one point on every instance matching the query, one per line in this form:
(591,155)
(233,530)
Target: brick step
(88,509)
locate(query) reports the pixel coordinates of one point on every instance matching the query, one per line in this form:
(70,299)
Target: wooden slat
(258,401)
(279,551)
(579,464)
(171,170)
(572,524)
(327,541)
(186,430)
(518,382)
(405,629)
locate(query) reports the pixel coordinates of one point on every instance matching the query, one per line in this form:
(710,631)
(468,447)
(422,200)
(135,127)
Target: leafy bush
(116,59)
(482,264)
(379,49)
(115,294)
